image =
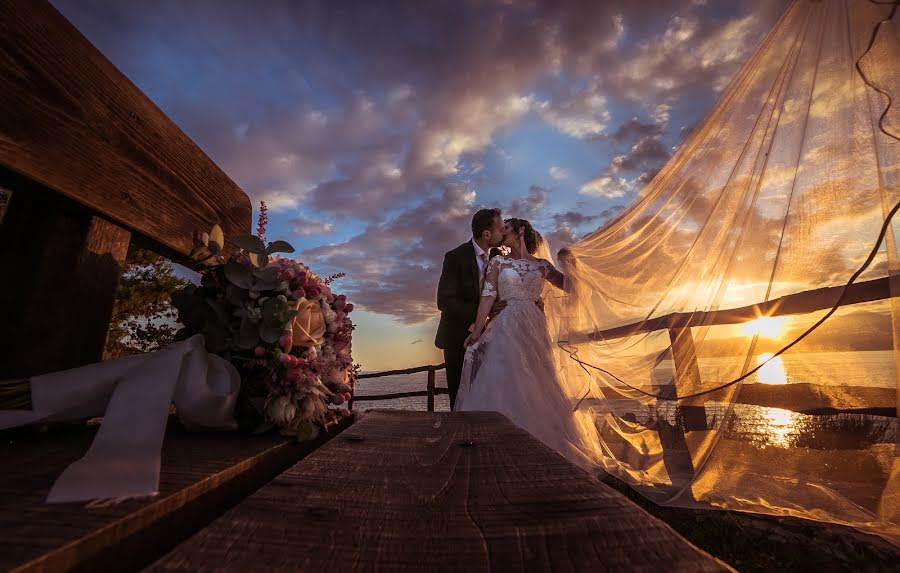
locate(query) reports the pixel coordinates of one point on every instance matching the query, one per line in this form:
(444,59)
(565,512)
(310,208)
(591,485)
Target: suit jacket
(458,295)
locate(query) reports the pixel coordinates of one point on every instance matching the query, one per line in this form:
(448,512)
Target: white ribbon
(133,396)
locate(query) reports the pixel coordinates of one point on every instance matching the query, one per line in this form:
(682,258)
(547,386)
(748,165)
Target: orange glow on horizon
(768,326)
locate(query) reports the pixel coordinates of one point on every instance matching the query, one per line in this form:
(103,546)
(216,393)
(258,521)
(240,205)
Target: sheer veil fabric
(771,224)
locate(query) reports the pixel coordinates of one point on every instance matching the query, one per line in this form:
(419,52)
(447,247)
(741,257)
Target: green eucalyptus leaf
(259,260)
(279,247)
(237,273)
(260,286)
(250,243)
(236,295)
(219,309)
(245,342)
(269,333)
(216,239)
(267,274)
(249,327)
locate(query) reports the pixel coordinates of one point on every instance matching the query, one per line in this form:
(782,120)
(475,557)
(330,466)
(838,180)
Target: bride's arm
(488,296)
(555,277)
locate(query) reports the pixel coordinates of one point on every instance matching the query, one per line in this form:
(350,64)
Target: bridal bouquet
(281,326)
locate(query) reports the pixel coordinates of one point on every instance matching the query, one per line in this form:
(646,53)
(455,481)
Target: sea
(774,426)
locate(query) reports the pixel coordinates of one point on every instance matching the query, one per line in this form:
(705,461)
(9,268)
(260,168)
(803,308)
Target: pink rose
(259,352)
(349,308)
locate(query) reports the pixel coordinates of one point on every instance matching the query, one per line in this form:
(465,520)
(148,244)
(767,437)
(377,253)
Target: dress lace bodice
(514,279)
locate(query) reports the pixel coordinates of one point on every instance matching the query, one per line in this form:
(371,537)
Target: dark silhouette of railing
(430,392)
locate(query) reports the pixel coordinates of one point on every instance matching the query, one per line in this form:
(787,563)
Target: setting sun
(768,326)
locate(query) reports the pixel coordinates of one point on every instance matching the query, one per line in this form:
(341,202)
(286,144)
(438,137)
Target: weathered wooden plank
(62,267)
(436,492)
(413,370)
(73,122)
(202,475)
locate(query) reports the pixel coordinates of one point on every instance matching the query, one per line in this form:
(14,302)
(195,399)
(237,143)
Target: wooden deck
(202,475)
(435,492)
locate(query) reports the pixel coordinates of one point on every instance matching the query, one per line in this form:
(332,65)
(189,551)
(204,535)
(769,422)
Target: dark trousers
(453,358)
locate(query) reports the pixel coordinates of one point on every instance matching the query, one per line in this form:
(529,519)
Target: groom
(459,291)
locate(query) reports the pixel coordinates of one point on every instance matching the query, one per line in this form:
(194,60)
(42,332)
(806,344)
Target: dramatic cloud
(366,125)
(529,206)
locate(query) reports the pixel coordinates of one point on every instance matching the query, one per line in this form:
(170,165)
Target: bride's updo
(533,239)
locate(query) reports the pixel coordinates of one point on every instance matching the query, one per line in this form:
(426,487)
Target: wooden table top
(436,491)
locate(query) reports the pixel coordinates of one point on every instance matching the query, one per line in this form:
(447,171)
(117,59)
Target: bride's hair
(533,239)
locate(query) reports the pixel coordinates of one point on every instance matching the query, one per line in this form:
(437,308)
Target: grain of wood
(436,492)
(73,122)
(201,476)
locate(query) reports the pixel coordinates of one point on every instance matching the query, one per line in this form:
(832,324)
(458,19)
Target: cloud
(306,226)
(606,186)
(581,115)
(529,206)
(373,115)
(574,218)
(559,173)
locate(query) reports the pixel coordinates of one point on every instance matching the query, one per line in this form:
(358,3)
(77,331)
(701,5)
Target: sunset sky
(373,130)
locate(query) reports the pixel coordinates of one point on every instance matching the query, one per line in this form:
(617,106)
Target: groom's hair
(483,220)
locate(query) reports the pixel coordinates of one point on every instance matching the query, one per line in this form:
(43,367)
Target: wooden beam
(73,122)
(413,370)
(798,303)
(63,265)
(425,491)
(431,390)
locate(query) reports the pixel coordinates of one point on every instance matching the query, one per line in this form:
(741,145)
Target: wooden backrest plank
(436,491)
(73,122)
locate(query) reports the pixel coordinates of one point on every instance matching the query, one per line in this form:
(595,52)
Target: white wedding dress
(511,368)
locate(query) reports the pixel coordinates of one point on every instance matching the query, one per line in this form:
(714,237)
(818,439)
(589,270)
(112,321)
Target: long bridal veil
(732,335)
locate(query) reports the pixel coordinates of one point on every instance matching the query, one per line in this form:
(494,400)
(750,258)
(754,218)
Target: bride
(509,365)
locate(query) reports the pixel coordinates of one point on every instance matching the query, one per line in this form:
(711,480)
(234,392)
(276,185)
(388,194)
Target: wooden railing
(430,392)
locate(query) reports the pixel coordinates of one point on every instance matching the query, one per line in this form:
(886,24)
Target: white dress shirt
(478,258)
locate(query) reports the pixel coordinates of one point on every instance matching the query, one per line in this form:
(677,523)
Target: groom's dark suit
(458,295)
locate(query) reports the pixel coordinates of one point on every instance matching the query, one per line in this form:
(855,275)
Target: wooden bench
(436,492)
(93,164)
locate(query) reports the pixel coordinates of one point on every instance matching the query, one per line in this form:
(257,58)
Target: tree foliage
(143,318)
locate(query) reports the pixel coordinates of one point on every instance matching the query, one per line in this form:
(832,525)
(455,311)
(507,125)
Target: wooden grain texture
(73,122)
(436,492)
(63,266)
(202,475)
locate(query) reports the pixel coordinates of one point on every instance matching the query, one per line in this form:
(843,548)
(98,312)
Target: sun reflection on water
(779,425)
(773,372)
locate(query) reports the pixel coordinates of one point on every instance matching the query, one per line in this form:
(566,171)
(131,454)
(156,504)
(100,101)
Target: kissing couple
(497,346)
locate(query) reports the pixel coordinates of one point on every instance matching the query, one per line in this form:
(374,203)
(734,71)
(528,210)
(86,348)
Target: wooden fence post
(431,389)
